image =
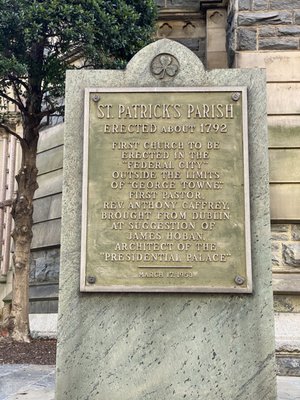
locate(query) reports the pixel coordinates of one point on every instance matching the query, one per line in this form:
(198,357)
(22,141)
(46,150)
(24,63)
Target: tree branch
(57,115)
(18,96)
(46,113)
(12,100)
(18,80)
(87,66)
(11,132)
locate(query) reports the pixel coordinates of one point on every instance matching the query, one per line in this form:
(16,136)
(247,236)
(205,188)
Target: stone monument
(165,285)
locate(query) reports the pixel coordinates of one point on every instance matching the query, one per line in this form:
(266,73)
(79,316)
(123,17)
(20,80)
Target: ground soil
(38,351)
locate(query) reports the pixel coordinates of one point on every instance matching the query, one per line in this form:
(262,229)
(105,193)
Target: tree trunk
(22,214)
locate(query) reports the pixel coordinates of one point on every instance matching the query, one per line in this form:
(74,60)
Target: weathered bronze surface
(165,193)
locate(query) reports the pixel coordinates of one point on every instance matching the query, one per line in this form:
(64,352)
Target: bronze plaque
(165,191)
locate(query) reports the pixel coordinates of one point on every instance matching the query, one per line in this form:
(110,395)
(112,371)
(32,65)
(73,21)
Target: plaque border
(92,288)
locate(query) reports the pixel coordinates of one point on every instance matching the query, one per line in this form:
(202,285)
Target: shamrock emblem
(164,66)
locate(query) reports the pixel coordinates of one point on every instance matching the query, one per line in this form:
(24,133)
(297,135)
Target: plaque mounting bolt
(96,97)
(239,280)
(91,279)
(235,96)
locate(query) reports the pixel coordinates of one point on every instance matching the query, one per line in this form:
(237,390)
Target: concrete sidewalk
(288,387)
(27,382)
(37,382)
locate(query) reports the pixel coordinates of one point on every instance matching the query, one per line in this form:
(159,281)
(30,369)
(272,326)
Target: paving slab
(37,382)
(288,387)
(27,382)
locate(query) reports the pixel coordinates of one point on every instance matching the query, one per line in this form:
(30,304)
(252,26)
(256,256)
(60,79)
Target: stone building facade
(224,34)
(261,34)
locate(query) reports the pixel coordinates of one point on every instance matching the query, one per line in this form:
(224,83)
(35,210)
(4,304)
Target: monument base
(134,346)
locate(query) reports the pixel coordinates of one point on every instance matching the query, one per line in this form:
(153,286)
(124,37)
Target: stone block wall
(260,25)
(45,266)
(286,264)
(285,246)
(283,83)
(266,34)
(45,249)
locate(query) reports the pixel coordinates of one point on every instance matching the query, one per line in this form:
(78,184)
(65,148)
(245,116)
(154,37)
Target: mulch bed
(38,351)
